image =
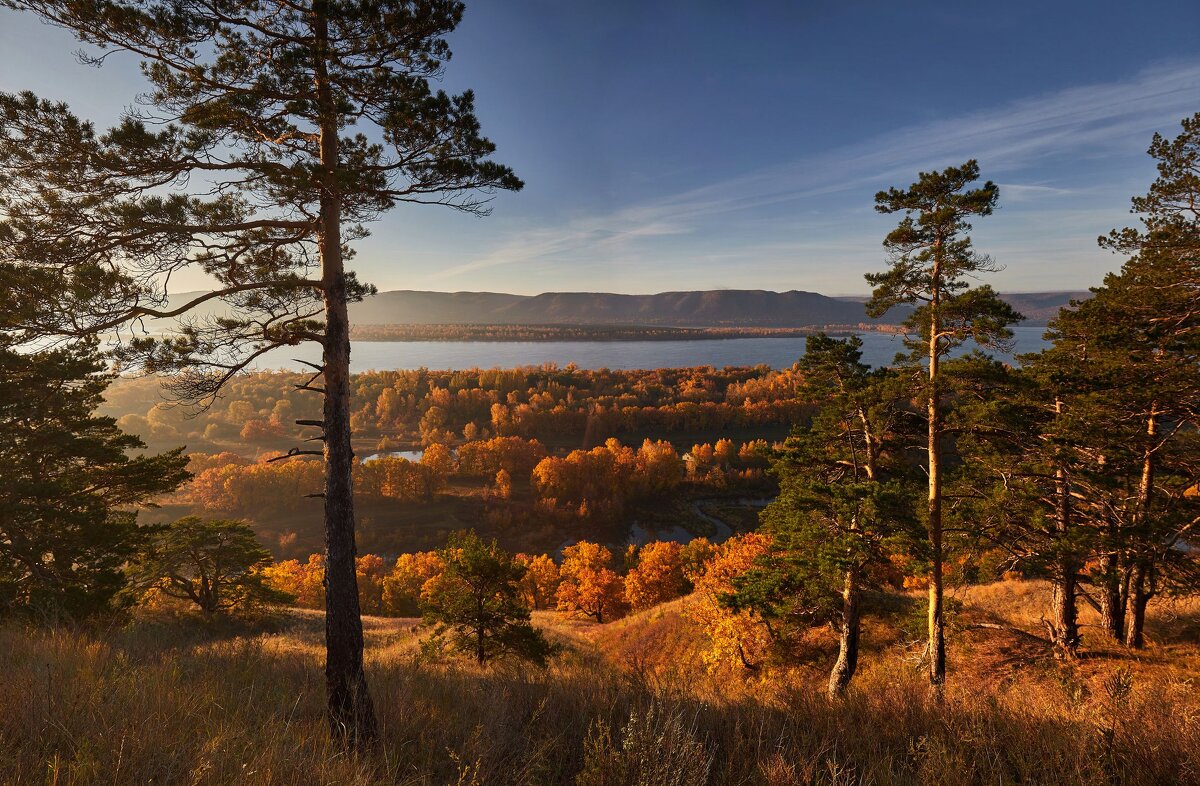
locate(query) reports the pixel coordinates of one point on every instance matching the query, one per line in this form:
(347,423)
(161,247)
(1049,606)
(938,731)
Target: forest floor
(173,699)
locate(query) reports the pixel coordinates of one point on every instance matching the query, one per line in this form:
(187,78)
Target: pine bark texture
(351,712)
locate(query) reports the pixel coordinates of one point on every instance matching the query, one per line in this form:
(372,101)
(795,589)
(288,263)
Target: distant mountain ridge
(708,308)
(698,308)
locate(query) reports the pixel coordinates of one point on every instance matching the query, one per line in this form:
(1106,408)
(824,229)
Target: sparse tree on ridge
(243,163)
(931,260)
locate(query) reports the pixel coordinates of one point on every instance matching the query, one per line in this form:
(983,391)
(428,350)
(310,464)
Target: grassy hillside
(165,700)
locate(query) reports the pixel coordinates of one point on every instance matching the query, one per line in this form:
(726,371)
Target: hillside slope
(169,699)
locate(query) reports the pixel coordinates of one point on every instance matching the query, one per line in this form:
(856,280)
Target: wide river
(878,349)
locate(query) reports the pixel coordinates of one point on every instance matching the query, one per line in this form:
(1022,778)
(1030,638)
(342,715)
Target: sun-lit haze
(682,145)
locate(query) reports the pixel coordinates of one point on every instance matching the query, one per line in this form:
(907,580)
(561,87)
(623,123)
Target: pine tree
(932,259)
(477,599)
(217,565)
(844,504)
(1134,398)
(1019,466)
(1142,330)
(271,134)
(68,519)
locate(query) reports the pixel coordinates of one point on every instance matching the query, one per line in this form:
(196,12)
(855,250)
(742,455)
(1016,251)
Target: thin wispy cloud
(1100,120)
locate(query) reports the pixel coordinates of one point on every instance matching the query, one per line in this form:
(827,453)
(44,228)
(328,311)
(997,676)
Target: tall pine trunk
(1063,609)
(937,622)
(1064,625)
(847,660)
(1113,581)
(1137,596)
(1135,609)
(351,713)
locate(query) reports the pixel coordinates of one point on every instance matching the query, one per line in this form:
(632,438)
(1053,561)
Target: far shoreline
(594,333)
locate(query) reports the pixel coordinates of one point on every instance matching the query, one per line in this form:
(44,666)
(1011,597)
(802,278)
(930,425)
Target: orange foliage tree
(402,587)
(504,485)
(303,580)
(589,586)
(240,489)
(604,478)
(514,455)
(735,638)
(657,576)
(396,478)
(440,461)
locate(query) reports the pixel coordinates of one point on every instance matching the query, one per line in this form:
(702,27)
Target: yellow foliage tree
(724,454)
(441,464)
(659,468)
(504,484)
(695,555)
(735,638)
(403,586)
(540,582)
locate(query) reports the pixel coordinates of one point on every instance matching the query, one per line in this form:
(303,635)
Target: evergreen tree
(477,599)
(932,259)
(1016,437)
(271,134)
(216,565)
(1136,345)
(68,520)
(843,506)
(1134,396)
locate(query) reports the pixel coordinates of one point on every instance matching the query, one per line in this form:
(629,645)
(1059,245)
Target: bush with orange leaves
(735,638)
(589,586)
(657,576)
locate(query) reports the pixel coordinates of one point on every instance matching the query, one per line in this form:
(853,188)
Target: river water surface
(878,350)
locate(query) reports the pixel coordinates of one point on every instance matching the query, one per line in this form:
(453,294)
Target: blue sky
(696,145)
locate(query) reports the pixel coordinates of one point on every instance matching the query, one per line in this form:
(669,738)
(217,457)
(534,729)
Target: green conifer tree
(932,261)
(477,601)
(845,503)
(72,483)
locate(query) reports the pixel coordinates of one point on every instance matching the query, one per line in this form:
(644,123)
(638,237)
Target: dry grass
(169,701)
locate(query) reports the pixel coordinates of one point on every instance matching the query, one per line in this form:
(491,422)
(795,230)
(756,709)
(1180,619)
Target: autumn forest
(970,565)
